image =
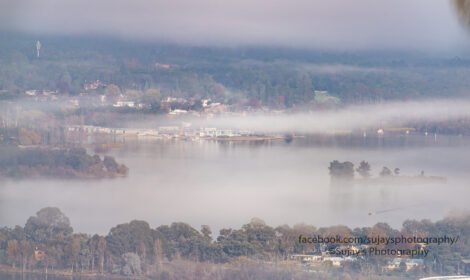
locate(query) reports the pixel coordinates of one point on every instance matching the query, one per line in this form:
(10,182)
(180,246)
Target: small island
(344,172)
(65,163)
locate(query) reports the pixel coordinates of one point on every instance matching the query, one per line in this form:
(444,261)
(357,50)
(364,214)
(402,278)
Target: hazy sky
(346,24)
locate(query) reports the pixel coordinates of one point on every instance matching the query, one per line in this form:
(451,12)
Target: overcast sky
(345,24)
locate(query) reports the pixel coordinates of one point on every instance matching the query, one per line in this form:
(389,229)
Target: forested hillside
(272,77)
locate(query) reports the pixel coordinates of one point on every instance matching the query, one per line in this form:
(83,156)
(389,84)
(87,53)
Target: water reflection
(225,184)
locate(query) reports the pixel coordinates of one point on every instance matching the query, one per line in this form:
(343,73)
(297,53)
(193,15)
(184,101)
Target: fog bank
(367,24)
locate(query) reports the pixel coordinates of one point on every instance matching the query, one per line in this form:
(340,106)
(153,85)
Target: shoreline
(65,273)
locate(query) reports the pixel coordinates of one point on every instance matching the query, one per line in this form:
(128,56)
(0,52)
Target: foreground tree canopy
(135,248)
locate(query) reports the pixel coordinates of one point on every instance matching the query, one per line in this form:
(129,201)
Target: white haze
(224,184)
(365,24)
(340,120)
(339,69)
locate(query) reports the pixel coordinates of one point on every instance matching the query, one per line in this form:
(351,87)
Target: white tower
(38,48)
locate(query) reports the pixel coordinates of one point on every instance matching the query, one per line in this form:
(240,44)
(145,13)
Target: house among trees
(306,258)
(466,266)
(39,255)
(404,264)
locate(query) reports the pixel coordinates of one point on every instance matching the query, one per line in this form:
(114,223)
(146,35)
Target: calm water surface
(226,184)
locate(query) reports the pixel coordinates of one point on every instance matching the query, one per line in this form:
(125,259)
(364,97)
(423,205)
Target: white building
(410,264)
(306,258)
(120,104)
(178,112)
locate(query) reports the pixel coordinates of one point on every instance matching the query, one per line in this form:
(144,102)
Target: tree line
(47,241)
(345,170)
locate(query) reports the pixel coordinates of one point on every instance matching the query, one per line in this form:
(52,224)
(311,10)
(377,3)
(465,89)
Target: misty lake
(225,184)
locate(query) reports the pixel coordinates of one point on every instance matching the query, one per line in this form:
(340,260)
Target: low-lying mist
(225,184)
(310,119)
(349,118)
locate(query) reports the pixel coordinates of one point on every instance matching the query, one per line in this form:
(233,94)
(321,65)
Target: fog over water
(225,184)
(353,117)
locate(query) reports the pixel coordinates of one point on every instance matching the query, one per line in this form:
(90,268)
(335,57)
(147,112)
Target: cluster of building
(337,260)
(97,93)
(409,264)
(42,95)
(94,85)
(316,260)
(91,97)
(163,132)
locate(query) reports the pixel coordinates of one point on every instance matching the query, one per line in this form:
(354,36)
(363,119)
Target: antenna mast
(38,48)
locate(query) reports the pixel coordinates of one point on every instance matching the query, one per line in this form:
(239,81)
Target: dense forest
(47,241)
(274,77)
